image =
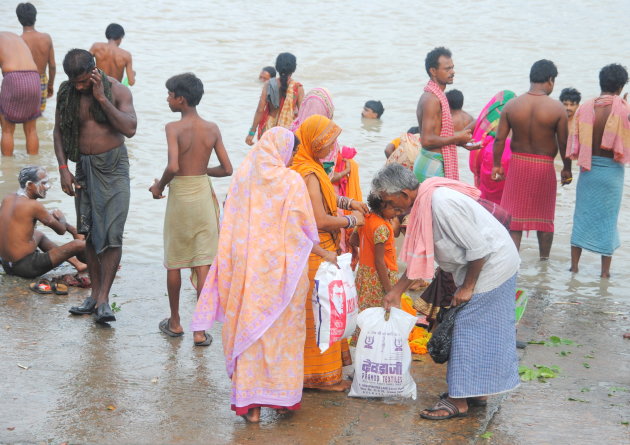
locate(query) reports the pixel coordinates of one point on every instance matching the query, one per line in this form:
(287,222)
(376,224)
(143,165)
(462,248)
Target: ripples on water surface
(358,50)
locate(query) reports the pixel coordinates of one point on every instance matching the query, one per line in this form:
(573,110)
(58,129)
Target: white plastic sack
(335,306)
(383,357)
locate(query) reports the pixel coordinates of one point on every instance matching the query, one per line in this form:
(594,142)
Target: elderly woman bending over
(449,226)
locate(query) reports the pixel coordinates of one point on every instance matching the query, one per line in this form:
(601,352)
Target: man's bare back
(41,48)
(113,60)
(15,54)
(18,215)
(196,138)
(538,124)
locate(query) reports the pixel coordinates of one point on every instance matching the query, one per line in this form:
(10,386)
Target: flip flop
(443,405)
(59,288)
(41,286)
(206,342)
(164,328)
(472,401)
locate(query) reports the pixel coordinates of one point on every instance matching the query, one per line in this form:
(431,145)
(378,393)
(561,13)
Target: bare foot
(605,275)
(446,408)
(78,265)
(199,336)
(252,416)
(342,386)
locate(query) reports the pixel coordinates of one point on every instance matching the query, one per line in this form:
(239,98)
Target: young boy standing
(191,222)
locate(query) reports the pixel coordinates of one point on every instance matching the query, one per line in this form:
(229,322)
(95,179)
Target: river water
(359,51)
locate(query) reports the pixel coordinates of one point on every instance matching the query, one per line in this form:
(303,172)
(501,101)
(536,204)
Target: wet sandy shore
(128,383)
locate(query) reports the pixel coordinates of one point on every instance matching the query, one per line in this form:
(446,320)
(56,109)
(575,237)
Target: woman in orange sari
(279,101)
(318,135)
(258,282)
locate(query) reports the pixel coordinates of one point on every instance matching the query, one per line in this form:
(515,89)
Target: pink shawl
(616,135)
(449,152)
(417,249)
(267,233)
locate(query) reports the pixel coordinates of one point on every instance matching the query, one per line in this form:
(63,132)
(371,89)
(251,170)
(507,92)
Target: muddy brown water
(166,391)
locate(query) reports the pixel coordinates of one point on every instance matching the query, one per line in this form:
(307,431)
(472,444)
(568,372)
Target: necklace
(536,94)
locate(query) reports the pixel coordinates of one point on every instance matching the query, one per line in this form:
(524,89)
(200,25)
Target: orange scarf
(315,133)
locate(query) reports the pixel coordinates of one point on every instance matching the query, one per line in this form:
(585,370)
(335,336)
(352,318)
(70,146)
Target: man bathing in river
(94,115)
(539,130)
(112,59)
(27,252)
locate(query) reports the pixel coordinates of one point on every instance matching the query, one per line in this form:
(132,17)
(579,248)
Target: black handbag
(439,346)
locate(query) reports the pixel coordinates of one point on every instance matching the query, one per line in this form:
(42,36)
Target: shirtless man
(111,58)
(539,130)
(20,94)
(570,98)
(191,141)
(90,130)
(41,47)
(19,241)
(461,119)
(438,156)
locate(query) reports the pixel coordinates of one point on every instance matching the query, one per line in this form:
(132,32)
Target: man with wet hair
(94,115)
(570,98)
(539,130)
(601,156)
(41,47)
(27,252)
(373,109)
(20,94)
(267,73)
(461,119)
(438,156)
(112,59)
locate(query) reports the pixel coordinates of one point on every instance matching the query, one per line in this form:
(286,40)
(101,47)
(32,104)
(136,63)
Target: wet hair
(271,70)
(114,31)
(26,14)
(186,85)
(78,62)
(455,99)
(375,203)
(542,71)
(613,77)
(286,63)
(414,130)
(394,178)
(376,106)
(29,173)
(570,95)
(433,58)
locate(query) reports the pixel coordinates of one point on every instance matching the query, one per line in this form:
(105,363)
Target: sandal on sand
(41,286)
(206,342)
(472,401)
(164,328)
(443,405)
(59,288)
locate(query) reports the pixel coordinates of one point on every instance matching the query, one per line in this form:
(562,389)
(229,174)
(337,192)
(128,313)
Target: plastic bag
(335,306)
(383,357)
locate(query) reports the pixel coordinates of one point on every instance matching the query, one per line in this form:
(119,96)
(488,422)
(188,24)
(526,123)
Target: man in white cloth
(449,226)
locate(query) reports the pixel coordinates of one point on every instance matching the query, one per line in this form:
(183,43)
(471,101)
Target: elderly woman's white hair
(394,178)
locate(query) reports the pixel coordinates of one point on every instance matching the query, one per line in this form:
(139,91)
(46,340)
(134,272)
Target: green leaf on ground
(572,399)
(554,340)
(589,356)
(585,389)
(625,422)
(488,435)
(539,372)
(534,342)
(586,365)
(619,388)
(563,353)
(116,307)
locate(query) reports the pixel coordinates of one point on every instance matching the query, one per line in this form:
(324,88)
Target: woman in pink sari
(258,282)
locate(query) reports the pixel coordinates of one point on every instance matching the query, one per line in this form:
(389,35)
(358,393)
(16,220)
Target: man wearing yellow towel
(191,222)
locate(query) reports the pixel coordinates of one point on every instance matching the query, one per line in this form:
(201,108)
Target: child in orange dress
(378,268)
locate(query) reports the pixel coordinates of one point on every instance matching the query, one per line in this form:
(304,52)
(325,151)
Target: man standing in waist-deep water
(94,115)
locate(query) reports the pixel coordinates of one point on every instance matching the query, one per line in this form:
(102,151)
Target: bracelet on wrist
(251,133)
(61,167)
